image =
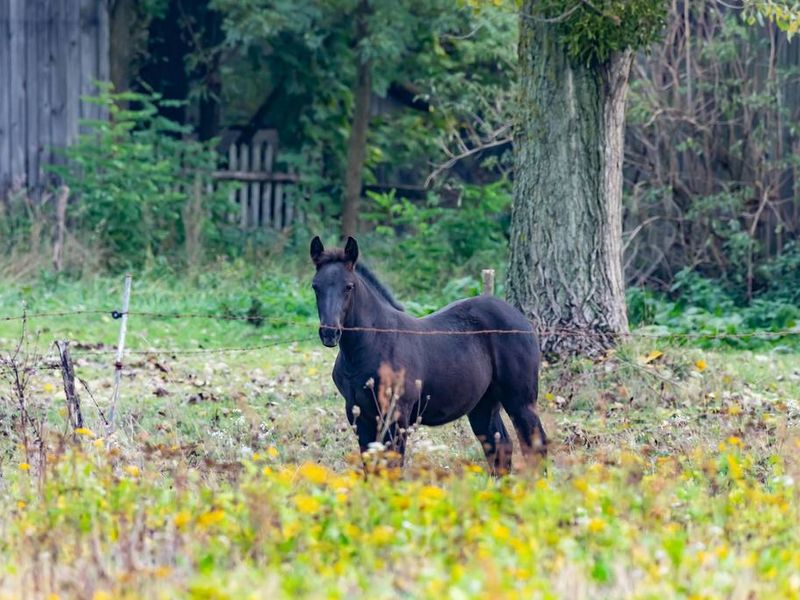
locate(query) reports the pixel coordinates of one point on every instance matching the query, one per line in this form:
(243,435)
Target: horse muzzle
(330,335)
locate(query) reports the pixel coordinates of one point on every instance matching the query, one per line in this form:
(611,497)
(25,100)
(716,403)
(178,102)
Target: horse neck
(369,310)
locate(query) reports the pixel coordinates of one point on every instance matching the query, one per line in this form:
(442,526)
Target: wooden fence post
(61,227)
(123,329)
(488,282)
(68,375)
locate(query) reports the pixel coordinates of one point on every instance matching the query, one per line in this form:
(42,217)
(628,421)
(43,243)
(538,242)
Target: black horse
(470,358)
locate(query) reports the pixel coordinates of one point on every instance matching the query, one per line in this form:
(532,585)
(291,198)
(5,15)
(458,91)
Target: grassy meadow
(673,471)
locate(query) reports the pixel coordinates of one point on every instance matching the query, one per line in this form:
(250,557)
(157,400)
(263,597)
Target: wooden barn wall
(51,53)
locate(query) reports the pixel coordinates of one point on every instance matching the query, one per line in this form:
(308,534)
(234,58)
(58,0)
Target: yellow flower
(84,431)
(101,595)
(132,470)
(21,504)
(49,388)
(474,468)
(382,534)
(182,519)
(307,504)
(596,525)
(352,531)
(400,502)
(24,467)
(734,410)
(734,468)
(272,452)
(290,530)
(431,492)
(701,365)
(500,532)
(212,517)
(734,441)
(312,371)
(581,485)
(266,471)
(98,443)
(314,473)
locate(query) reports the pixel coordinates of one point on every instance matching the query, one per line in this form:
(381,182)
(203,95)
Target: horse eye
(349,287)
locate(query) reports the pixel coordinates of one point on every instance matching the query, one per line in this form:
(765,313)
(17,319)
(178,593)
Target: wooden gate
(261,195)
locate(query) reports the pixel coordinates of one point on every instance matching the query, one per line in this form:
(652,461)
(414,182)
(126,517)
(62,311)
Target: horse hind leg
(532,438)
(487,425)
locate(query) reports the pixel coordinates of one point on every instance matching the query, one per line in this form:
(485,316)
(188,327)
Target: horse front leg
(366,429)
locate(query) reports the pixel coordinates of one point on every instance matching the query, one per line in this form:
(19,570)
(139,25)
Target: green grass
(668,477)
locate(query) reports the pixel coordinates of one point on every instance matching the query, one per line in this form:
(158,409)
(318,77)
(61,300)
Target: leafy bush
(700,306)
(136,176)
(433,244)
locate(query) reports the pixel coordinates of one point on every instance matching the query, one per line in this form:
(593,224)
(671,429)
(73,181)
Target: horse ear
(316,249)
(351,250)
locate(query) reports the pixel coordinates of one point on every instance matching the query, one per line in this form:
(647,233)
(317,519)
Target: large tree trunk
(357,142)
(565,269)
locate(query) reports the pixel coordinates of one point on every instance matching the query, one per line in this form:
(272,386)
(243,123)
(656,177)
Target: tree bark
(357,142)
(565,265)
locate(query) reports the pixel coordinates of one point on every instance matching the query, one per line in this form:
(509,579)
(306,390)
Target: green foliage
(784,13)
(431,243)
(134,175)
(302,56)
(593,31)
(701,307)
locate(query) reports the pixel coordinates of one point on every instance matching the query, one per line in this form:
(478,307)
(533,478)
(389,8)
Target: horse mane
(379,287)
(337,255)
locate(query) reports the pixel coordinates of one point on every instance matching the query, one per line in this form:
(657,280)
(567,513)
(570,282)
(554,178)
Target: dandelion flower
(24,467)
(132,470)
(382,534)
(596,525)
(314,473)
(182,519)
(307,504)
(212,517)
(85,431)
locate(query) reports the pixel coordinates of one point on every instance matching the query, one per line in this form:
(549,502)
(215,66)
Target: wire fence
(25,359)
(307,323)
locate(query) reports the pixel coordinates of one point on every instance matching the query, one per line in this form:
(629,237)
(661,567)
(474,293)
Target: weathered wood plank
(255,187)
(266,200)
(44,29)
(5,101)
(88,58)
(244,193)
(277,216)
(16,88)
(73,71)
(233,164)
(32,92)
(239,175)
(58,82)
(103,72)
